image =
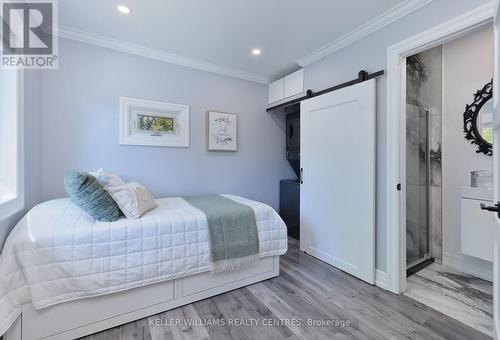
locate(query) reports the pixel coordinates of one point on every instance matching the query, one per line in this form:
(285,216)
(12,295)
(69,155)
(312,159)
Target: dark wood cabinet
(290,188)
(293,137)
(293,132)
(290,206)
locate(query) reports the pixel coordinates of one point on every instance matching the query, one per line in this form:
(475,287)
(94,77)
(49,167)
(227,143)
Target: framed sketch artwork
(222,131)
(147,122)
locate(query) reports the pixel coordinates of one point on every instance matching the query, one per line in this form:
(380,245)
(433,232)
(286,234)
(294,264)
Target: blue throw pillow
(86,192)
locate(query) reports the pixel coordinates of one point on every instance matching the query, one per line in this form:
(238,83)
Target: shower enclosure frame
(427,256)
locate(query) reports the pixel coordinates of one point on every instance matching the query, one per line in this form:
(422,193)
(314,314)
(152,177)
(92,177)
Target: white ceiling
(222,32)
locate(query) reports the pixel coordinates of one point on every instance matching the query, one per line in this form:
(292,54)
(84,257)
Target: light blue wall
(370,54)
(80,118)
(80,126)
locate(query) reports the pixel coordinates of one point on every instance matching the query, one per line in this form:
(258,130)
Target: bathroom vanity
(476,226)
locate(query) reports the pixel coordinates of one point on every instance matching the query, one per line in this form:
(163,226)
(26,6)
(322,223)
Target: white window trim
(13,205)
(179,112)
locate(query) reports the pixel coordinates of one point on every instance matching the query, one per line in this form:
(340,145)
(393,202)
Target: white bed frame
(79,318)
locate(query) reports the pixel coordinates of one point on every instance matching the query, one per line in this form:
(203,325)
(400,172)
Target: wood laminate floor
(307,290)
(463,297)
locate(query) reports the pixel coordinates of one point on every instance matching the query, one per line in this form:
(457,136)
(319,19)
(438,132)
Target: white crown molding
(122,46)
(373,25)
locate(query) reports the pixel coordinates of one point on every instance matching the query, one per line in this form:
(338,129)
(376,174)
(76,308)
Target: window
(147,122)
(11,143)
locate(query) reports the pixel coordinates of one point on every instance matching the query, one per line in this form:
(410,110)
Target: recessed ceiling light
(256,51)
(123,9)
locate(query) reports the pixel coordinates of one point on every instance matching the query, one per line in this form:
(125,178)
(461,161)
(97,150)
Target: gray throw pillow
(86,192)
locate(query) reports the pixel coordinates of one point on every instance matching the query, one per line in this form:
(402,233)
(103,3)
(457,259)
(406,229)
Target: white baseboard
(380,279)
(469,265)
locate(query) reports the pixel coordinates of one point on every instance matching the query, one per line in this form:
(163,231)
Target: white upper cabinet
(291,85)
(294,83)
(276,90)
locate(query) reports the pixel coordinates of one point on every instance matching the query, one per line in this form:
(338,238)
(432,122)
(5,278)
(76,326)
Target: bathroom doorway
(449,247)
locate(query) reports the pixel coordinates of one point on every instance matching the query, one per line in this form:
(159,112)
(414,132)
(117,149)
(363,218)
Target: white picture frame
(167,123)
(222,131)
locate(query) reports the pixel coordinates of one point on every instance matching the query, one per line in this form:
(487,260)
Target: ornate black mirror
(478,120)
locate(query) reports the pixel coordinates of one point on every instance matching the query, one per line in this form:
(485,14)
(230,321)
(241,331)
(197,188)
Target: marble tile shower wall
(423,155)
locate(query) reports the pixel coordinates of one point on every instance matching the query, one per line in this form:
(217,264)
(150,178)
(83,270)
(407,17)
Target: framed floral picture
(222,131)
(146,122)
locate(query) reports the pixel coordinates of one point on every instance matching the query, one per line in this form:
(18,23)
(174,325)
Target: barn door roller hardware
(362,76)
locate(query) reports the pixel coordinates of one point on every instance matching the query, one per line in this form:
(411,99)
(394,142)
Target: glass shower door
(417,186)
(423,156)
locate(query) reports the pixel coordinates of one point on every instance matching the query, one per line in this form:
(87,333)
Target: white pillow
(107,179)
(133,199)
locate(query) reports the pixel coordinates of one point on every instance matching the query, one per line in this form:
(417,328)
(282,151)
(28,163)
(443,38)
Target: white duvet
(58,253)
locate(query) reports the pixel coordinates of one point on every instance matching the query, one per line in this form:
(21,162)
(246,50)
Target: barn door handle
(301,175)
(495,208)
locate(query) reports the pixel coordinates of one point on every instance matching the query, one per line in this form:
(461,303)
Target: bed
(64,275)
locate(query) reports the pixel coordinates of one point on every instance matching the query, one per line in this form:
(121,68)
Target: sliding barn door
(337,194)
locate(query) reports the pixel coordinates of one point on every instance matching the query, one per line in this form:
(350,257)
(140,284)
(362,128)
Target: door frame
(496,176)
(396,130)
